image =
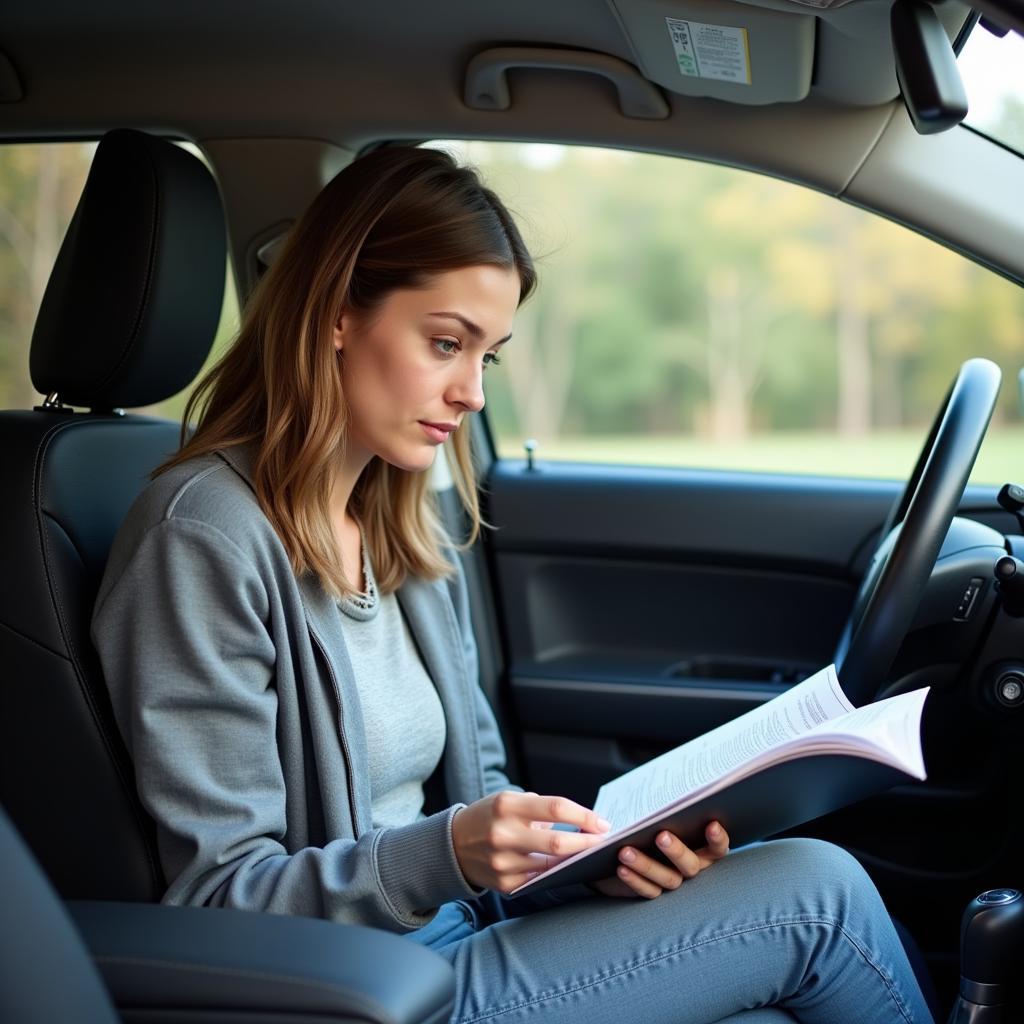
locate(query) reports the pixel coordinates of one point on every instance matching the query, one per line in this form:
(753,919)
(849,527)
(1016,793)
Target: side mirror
(926,68)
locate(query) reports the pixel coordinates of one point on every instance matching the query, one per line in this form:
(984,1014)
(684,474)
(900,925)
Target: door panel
(648,605)
(787,522)
(642,607)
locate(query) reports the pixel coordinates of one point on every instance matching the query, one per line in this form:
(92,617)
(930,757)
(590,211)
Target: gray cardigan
(233,690)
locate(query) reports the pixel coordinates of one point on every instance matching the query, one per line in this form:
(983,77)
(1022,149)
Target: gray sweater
(398,700)
(233,689)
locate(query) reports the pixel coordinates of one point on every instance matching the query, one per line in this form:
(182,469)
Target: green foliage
(680,297)
(39,188)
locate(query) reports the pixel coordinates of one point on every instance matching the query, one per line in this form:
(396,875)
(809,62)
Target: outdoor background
(687,314)
(696,315)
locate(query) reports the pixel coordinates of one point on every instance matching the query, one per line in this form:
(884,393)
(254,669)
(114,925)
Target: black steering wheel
(912,537)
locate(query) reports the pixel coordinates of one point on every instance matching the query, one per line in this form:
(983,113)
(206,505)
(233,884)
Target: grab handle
(487,79)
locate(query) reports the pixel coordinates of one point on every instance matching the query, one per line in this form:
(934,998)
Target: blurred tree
(678,296)
(39,188)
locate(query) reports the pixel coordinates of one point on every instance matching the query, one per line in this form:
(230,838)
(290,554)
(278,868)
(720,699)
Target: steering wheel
(913,533)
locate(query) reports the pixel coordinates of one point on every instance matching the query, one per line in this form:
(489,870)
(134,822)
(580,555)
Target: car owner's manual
(804,753)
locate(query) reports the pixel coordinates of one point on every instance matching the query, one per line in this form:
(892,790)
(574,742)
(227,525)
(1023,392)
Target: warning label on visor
(711,51)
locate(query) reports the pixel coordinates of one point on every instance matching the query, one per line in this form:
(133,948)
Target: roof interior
(323,68)
(279,93)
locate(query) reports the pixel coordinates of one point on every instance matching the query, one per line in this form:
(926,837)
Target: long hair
(389,220)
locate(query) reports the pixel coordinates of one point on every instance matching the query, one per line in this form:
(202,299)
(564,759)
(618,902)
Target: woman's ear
(339,333)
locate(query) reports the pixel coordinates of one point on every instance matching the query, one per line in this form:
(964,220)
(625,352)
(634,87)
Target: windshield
(993,74)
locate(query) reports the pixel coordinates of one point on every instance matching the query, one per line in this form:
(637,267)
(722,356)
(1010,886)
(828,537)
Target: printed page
(892,725)
(644,790)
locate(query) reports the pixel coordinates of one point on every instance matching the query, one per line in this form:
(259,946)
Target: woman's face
(413,371)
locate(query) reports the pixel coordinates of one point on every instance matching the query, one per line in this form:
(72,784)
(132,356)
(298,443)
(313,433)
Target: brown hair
(389,220)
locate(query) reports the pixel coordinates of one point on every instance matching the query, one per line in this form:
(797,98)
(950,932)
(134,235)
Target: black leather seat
(39,944)
(128,318)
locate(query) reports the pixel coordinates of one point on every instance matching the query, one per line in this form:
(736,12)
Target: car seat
(127,319)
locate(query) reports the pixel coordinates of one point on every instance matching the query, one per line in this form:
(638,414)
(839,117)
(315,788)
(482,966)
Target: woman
(286,637)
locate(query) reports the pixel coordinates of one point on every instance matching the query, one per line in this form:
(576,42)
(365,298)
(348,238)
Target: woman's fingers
(692,862)
(684,862)
(657,872)
(497,844)
(555,844)
(556,809)
(718,841)
(527,820)
(640,885)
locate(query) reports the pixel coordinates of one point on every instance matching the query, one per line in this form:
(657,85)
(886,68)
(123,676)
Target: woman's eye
(447,346)
(492,359)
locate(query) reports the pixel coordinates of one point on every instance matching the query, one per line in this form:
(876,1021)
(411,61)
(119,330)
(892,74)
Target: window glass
(695,315)
(992,69)
(40,184)
(39,188)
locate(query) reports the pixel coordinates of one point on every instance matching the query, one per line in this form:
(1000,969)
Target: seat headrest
(133,303)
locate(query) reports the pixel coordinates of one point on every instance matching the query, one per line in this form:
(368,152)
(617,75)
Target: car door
(640,605)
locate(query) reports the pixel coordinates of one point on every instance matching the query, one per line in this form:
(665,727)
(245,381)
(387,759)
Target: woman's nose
(467,389)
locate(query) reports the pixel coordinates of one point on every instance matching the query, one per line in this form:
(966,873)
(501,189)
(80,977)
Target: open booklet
(804,753)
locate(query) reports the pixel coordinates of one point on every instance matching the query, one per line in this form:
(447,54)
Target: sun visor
(728,51)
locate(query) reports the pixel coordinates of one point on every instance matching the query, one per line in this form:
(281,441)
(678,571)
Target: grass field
(880,455)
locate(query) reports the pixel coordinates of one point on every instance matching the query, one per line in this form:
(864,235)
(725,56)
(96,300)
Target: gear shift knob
(991,940)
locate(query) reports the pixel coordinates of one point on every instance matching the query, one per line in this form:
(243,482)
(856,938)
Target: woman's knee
(817,856)
(810,866)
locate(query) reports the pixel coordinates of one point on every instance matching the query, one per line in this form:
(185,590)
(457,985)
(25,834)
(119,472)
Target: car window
(40,184)
(992,68)
(696,315)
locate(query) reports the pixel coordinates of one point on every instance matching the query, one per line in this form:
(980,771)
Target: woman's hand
(504,839)
(640,875)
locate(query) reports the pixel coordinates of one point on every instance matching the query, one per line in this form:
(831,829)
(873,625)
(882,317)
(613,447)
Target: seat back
(45,971)
(127,319)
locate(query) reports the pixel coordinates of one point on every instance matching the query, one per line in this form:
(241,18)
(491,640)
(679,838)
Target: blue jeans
(780,931)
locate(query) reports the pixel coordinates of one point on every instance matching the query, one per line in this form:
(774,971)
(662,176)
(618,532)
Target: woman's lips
(438,433)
